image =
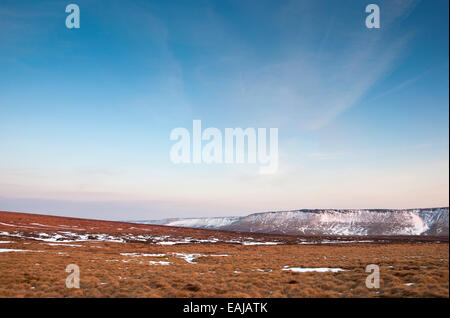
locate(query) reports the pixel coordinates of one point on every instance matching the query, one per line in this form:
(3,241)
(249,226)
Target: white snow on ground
(6,242)
(6,224)
(67,237)
(172,242)
(62,244)
(260,243)
(71,237)
(333,242)
(191,257)
(409,284)
(188,257)
(2,250)
(164,241)
(317,269)
(159,263)
(213,240)
(237,241)
(186,240)
(142,254)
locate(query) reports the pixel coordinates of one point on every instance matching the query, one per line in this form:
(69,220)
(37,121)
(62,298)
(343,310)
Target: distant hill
(431,221)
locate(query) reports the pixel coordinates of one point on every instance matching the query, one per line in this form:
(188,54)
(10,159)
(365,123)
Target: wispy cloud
(306,89)
(398,87)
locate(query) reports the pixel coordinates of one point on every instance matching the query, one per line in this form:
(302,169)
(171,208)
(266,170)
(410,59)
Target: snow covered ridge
(432,221)
(205,223)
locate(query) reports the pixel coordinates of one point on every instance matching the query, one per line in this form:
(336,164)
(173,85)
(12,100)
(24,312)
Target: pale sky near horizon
(86,114)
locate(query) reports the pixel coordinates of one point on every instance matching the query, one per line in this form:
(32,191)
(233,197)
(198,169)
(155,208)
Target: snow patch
(317,269)
(159,263)
(3,250)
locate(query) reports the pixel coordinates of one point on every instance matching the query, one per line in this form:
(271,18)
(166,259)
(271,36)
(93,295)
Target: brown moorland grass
(408,267)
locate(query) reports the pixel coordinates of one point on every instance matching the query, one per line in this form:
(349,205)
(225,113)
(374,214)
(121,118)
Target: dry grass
(248,271)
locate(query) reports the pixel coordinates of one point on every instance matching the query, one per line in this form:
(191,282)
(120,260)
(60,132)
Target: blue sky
(86,114)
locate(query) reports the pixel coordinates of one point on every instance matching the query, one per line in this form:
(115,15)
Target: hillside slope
(432,221)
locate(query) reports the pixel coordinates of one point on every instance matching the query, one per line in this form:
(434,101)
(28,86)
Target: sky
(86,114)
